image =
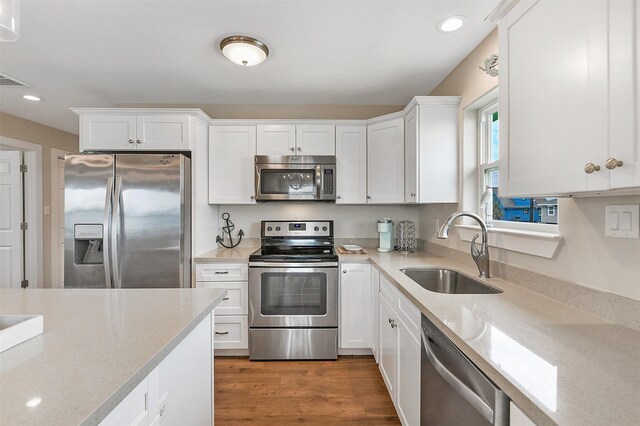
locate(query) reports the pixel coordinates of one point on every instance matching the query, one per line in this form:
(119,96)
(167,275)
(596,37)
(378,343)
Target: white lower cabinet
(231,332)
(375,288)
(178,391)
(355,305)
(399,351)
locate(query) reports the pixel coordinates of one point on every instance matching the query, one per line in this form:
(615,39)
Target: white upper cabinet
(431,150)
(231,170)
(351,164)
(116,129)
(568,111)
(276,139)
(316,139)
(385,162)
(301,139)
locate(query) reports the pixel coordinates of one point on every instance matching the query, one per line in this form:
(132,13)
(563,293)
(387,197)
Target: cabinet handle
(226,298)
(339,197)
(130,140)
(344,271)
(221,272)
(299,149)
(138,141)
(394,325)
(221,333)
(292,149)
(252,197)
(590,168)
(368,197)
(612,163)
(413,194)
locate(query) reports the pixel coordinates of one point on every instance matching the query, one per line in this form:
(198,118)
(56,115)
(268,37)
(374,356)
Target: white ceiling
(84,53)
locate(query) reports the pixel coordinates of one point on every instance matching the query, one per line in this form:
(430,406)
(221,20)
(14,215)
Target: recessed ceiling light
(452,23)
(32,98)
(33,402)
(244,50)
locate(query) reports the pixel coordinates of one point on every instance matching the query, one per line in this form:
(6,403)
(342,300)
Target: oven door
(293,295)
(288,182)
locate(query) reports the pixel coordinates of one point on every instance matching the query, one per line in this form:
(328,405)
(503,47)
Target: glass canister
(406,236)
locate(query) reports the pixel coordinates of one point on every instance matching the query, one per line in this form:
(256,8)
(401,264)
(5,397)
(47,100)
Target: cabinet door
(231,332)
(624,102)
(163,132)
(276,139)
(355,305)
(388,345)
(351,164)
(107,132)
(385,162)
(408,385)
(316,139)
(411,156)
(553,97)
(375,287)
(237,300)
(132,410)
(231,164)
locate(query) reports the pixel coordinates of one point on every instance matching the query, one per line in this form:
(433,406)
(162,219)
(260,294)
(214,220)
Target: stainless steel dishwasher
(453,391)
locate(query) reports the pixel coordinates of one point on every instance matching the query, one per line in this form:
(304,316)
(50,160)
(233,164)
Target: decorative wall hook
(227,230)
(491,65)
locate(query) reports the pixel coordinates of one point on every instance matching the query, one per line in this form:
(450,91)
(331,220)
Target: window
(505,209)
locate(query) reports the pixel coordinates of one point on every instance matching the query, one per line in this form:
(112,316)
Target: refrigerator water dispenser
(88,244)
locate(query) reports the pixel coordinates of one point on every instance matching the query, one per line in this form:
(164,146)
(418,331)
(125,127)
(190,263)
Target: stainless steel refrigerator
(127,221)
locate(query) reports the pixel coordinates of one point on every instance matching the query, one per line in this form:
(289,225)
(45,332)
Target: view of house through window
(532,210)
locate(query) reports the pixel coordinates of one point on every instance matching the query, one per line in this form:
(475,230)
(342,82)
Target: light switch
(623,221)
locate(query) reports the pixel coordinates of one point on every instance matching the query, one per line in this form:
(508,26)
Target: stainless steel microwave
(295,178)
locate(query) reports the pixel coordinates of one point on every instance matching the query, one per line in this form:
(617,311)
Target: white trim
(543,244)
(33,208)
(500,10)
(54,216)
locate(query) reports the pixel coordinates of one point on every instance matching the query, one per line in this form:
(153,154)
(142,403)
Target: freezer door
(151,226)
(88,184)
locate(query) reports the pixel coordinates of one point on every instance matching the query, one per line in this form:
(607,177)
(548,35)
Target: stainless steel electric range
(293,292)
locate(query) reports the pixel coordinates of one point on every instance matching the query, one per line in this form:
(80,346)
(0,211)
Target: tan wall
(18,128)
(336,112)
(586,256)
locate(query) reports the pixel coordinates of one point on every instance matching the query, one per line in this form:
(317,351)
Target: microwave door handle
(106,226)
(319,182)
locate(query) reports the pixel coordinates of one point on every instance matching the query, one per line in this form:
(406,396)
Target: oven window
(300,182)
(294,293)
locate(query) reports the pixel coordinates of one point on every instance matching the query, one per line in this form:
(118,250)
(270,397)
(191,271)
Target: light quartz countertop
(221,255)
(96,347)
(558,364)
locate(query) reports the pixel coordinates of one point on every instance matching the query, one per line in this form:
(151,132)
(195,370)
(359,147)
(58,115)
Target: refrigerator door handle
(105,240)
(115,230)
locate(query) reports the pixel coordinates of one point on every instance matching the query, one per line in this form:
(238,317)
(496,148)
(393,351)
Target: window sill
(542,244)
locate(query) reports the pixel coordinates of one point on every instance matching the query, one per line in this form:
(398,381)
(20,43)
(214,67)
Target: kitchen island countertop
(97,346)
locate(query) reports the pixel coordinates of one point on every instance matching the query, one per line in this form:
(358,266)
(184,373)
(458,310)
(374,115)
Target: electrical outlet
(162,410)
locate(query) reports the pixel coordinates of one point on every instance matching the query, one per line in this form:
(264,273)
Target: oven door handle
(294,264)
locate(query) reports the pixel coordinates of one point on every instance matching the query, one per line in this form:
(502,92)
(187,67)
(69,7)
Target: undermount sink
(448,281)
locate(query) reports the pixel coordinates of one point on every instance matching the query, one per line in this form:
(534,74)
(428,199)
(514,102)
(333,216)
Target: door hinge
(24,226)
(23,168)
(24,283)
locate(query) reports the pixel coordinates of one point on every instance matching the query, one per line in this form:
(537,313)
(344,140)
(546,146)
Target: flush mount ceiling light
(452,23)
(244,50)
(32,98)
(9,20)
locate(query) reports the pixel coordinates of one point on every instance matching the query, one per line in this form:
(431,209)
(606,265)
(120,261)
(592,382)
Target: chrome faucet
(479,255)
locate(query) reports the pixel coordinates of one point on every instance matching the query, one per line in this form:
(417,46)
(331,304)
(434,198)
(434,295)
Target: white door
(351,164)
(355,306)
(11,214)
(163,132)
(388,345)
(316,139)
(107,132)
(411,156)
(231,164)
(276,139)
(385,162)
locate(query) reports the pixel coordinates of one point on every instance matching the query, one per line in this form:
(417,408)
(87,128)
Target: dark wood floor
(349,391)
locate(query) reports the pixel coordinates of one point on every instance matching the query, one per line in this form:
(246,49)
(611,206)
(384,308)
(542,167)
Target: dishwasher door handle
(456,383)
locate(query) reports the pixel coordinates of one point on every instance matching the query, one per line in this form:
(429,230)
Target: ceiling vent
(6,80)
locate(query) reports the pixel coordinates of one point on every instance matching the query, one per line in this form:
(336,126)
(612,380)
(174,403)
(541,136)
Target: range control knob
(277,228)
(269,228)
(315,228)
(324,228)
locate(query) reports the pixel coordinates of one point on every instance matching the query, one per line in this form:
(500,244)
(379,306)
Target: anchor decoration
(227,230)
(491,65)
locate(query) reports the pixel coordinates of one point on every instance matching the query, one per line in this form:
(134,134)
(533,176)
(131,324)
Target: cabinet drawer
(222,272)
(388,290)
(410,315)
(231,332)
(237,300)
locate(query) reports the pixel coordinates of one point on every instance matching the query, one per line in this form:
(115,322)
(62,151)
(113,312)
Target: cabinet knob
(252,197)
(413,194)
(590,168)
(368,197)
(394,325)
(344,271)
(292,149)
(612,163)
(299,149)
(130,140)
(138,141)
(339,197)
